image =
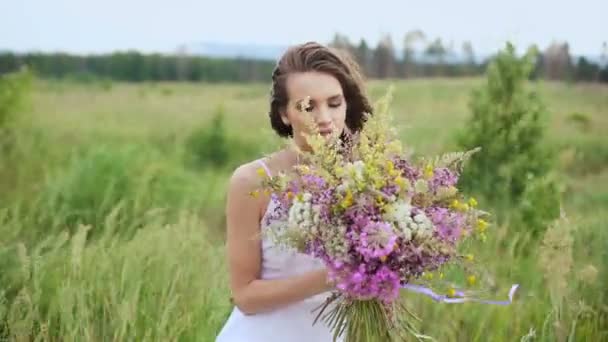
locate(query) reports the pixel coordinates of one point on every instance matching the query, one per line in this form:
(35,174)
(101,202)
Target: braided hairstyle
(312,56)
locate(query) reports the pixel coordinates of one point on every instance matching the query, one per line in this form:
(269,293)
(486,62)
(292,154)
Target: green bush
(506,122)
(210,146)
(586,156)
(539,204)
(106,177)
(13,91)
(581,120)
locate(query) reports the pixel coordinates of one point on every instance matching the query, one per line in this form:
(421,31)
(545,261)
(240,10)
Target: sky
(95,26)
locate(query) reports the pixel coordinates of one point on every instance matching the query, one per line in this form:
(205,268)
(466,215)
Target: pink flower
(377,240)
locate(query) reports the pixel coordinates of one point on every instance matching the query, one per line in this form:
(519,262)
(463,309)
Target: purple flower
(442,177)
(365,282)
(313,182)
(409,171)
(449,224)
(376,240)
(388,284)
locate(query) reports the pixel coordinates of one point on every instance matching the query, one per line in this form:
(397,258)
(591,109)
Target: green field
(109,232)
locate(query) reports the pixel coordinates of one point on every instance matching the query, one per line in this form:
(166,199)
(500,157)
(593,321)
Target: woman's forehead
(319,86)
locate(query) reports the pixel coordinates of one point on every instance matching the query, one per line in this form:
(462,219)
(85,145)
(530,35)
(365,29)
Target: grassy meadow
(111,227)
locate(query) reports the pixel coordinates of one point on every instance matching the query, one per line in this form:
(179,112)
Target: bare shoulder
(246,177)
(244,211)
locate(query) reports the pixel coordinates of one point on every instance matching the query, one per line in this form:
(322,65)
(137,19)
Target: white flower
(356,169)
(306,197)
(421,186)
(303,215)
(407,233)
(343,186)
(423,227)
(400,214)
(419,218)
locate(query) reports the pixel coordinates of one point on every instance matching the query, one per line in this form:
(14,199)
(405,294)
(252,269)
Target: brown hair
(312,56)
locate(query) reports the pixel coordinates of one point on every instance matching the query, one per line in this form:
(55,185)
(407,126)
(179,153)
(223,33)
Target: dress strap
(261,162)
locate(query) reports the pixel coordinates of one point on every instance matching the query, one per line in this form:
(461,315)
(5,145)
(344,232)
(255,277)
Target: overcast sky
(92,26)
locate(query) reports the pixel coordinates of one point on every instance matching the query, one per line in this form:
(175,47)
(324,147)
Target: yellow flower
(459,206)
(472,202)
(452,292)
(348,199)
(471,280)
(482,225)
(261,172)
(289,195)
(428,172)
(255,193)
(441,275)
(390,169)
(428,276)
(400,182)
(389,165)
(469,257)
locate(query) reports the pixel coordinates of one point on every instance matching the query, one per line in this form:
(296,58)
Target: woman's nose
(324,116)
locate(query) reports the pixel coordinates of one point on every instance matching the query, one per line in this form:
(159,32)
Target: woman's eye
(335,105)
(304,107)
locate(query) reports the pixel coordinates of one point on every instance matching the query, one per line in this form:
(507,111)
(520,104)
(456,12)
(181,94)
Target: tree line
(420,57)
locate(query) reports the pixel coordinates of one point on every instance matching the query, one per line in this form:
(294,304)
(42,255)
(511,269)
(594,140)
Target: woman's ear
(285,119)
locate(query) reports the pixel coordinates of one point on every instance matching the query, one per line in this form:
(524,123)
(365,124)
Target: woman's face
(317,96)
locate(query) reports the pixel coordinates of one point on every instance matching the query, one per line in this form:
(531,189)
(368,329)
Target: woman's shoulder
(245,180)
(249,174)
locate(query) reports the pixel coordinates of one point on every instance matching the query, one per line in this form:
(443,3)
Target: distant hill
(227,50)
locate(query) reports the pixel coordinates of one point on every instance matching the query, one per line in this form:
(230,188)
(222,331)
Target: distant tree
(602,75)
(9,62)
(182,63)
(342,42)
(557,62)
(469,57)
(384,58)
(363,55)
(409,51)
(436,52)
(586,71)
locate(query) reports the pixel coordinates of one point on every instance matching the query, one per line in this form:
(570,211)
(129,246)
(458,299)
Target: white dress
(293,323)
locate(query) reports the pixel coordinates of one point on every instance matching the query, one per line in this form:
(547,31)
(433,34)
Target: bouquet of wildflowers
(379,221)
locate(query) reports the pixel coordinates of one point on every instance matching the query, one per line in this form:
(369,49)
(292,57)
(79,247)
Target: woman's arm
(251,294)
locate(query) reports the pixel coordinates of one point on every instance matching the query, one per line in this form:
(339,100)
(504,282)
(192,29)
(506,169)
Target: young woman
(275,291)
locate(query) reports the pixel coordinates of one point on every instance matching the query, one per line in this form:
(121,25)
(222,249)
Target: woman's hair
(313,56)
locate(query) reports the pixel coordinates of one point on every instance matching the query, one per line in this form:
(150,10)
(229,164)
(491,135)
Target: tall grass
(164,284)
(107,232)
